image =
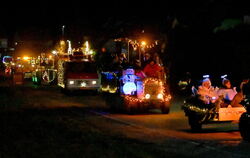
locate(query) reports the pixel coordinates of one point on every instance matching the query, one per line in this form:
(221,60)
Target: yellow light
(50,56)
(25,58)
(143,43)
(54,52)
(160,96)
(62,42)
(147,96)
(87,46)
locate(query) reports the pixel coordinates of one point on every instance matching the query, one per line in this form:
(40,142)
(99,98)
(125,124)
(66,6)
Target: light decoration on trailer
(109,89)
(5,58)
(206,76)
(60,73)
(49,75)
(87,46)
(161,97)
(165,98)
(135,44)
(86,49)
(223,76)
(69,47)
(133,99)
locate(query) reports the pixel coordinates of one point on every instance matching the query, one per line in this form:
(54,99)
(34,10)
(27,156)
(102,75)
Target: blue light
(224,76)
(129,87)
(109,75)
(205,76)
(6,57)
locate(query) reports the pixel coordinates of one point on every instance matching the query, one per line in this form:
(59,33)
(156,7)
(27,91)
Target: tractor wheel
(165,110)
(194,123)
(130,108)
(244,126)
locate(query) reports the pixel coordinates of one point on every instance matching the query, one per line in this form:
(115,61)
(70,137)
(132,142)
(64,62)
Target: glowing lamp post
(63,27)
(143,44)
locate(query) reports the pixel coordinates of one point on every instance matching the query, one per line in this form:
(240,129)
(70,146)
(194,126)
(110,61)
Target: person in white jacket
(207,92)
(227,92)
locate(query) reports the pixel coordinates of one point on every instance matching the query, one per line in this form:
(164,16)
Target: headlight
(83,84)
(147,96)
(94,82)
(160,96)
(71,82)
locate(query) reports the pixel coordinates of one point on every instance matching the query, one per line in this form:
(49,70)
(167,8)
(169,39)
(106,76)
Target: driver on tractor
(153,70)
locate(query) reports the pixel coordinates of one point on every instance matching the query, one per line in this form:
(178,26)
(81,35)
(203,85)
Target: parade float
(125,90)
(200,113)
(77,69)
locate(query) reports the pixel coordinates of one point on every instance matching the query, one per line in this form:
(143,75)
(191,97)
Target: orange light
(143,43)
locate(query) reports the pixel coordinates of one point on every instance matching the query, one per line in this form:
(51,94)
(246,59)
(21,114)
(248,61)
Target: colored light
(160,96)
(205,76)
(147,96)
(25,58)
(129,87)
(54,52)
(83,84)
(143,43)
(224,76)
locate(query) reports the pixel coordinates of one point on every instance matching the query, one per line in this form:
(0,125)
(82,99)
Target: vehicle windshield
(81,67)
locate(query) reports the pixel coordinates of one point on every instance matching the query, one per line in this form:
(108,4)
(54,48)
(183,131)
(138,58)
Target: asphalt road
(169,130)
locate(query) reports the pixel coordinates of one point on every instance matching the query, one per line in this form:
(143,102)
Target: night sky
(92,15)
(190,41)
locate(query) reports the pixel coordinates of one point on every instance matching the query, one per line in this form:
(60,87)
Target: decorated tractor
(217,111)
(130,93)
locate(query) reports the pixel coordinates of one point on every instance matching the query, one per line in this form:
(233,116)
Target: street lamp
(143,44)
(63,27)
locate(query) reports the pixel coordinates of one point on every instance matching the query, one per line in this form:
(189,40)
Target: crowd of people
(143,68)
